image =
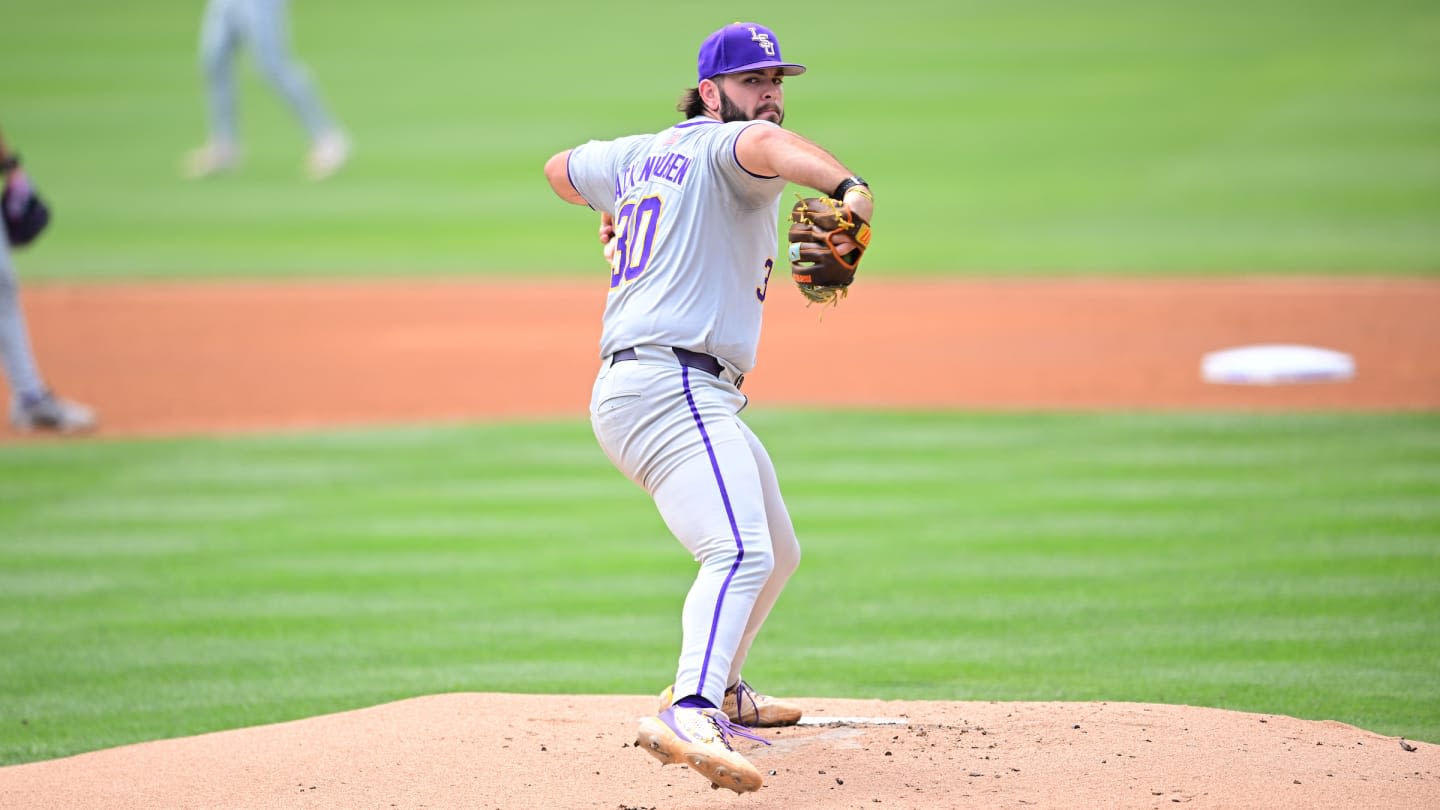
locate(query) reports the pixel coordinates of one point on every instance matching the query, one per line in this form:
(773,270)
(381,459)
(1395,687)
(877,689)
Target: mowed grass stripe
(1210,559)
(1269,563)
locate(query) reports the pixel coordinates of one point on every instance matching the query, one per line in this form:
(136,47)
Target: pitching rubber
(723,768)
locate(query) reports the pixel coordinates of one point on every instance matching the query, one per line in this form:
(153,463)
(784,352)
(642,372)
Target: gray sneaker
(49,412)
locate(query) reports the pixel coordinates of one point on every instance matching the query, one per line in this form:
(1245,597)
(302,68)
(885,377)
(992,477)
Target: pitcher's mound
(548,751)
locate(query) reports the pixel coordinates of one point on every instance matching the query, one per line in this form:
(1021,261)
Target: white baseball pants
(676,432)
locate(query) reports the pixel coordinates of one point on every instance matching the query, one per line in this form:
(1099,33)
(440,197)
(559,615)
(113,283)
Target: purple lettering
(678,169)
(670,167)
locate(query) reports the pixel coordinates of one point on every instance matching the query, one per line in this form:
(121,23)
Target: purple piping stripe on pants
(734,529)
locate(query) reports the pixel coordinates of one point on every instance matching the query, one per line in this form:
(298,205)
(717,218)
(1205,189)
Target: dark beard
(729,112)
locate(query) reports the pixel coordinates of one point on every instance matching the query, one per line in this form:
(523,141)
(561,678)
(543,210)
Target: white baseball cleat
(700,739)
(215,157)
(49,412)
(329,152)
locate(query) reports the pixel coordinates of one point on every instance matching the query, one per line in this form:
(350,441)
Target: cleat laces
(744,692)
(729,728)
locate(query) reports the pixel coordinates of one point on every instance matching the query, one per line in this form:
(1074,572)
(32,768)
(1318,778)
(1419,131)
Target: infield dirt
(198,358)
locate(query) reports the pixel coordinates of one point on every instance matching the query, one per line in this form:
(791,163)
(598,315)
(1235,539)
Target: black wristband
(11,161)
(847,184)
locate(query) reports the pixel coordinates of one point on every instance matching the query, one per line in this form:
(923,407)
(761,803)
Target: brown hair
(690,104)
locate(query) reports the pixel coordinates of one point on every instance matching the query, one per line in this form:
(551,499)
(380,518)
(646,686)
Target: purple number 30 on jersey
(635,225)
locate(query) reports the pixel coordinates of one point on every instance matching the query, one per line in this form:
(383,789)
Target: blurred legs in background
(263,26)
(32,405)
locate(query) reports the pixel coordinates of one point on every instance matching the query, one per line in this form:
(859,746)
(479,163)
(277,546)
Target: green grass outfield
(1286,564)
(1232,136)
(1283,564)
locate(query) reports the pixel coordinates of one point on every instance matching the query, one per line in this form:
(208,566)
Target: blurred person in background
(33,406)
(263,26)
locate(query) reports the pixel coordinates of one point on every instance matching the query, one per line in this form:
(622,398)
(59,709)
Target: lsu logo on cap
(763,39)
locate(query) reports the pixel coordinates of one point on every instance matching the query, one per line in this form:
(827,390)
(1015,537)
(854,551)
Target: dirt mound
(547,751)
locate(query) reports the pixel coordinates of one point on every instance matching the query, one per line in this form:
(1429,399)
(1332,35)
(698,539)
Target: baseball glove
(24,218)
(826,243)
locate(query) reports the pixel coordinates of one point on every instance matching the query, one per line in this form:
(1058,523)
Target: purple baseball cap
(742,46)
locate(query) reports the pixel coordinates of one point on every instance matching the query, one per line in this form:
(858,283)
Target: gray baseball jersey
(696,236)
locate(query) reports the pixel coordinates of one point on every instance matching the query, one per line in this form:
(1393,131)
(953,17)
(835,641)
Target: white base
(1276,364)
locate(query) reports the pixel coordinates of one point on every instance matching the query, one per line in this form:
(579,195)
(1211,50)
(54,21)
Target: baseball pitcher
(689,222)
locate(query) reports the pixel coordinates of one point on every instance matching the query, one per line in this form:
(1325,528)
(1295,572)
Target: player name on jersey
(670,167)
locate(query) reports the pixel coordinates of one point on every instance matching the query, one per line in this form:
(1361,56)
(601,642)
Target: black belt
(696,360)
